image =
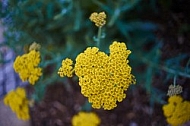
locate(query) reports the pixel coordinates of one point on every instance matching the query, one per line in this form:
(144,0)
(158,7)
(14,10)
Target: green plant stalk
(175,80)
(99,36)
(114,17)
(87,106)
(169,70)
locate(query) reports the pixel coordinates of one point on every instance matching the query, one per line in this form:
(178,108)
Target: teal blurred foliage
(63,29)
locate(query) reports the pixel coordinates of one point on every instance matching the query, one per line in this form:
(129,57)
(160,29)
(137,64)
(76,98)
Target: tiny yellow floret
(177,111)
(18,103)
(98,19)
(27,66)
(85,119)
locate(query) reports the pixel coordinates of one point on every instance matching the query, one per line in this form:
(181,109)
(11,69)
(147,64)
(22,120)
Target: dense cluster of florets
(104,78)
(27,66)
(177,111)
(174,90)
(85,119)
(98,19)
(66,69)
(18,103)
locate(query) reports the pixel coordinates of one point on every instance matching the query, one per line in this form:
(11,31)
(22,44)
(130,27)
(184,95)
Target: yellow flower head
(177,111)
(27,66)
(18,103)
(85,119)
(98,19)
(66,69)
(104,79)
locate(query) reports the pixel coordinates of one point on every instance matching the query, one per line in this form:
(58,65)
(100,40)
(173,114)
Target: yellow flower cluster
(85,119)
(18,103)
(66,69)
(104,79)
(98,19)
(27,66)
(177,111)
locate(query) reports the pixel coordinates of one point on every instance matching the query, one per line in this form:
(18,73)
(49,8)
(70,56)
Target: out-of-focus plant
(27,66)
(177,111)
(86,119)
(18,102)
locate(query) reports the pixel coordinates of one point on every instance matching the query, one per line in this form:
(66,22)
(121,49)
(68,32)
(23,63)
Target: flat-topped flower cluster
(27,66)
(103,78)
(98,18)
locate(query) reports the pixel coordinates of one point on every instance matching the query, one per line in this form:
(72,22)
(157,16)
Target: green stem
(99,36)
(172,71)
(114,17)
(87,106)
(169,70)
(175,80)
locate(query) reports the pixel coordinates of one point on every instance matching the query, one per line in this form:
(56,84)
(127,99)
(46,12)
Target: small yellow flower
(98,19)
(18,103)
(177,111)
(66,69)
(85,119)
(27,66)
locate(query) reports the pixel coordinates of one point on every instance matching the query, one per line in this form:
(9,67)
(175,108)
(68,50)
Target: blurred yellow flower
(177,111)
(85,119)
(98,19)
(18,103)
(103,79)
(27,66)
